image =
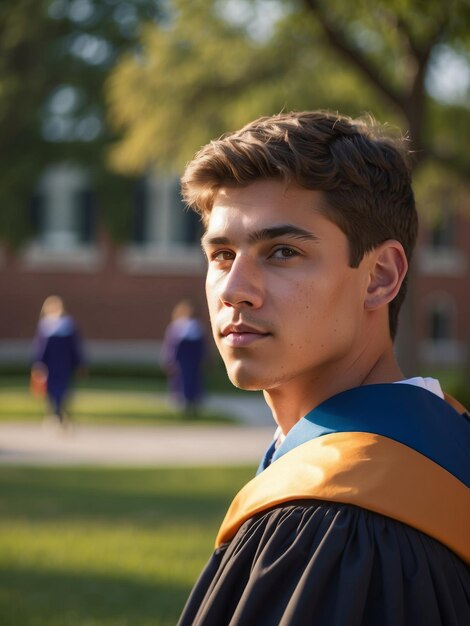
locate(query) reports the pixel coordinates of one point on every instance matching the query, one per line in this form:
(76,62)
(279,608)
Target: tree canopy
(216,65)
(54,56)
(183,71)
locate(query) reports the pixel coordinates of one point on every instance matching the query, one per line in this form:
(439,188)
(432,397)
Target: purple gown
(183,353)
(58,347)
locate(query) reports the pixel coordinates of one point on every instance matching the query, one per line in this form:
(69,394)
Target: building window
(160,217)
(166,236)
(440,254)
(63,208)
(442,233)
(440,323)
(63,216)
(440,345)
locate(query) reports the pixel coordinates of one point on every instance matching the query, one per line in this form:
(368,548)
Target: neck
(292,400)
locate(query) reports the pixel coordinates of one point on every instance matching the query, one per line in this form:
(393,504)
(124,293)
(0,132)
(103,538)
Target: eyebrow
(265,234)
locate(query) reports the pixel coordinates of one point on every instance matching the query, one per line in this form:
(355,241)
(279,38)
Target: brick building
(122,296)
(441,300)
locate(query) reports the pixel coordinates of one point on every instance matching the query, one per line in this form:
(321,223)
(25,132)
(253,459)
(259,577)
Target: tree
(208,72)
(54,56)
(409,36)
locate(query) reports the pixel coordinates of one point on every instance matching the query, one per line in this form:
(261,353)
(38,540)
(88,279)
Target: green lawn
(106,547)
(108,404)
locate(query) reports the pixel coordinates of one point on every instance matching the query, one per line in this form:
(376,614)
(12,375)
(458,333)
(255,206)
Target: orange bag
(38,380)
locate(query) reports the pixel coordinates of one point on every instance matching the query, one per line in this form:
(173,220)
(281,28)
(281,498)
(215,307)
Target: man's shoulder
(313,561)
(456,405)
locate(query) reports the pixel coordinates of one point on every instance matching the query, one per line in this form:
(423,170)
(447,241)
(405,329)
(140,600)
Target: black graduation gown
(313,561)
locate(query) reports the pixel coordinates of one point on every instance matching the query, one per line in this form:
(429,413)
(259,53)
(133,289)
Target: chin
(244,380)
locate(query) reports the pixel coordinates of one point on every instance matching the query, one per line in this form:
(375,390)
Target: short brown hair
(363,173)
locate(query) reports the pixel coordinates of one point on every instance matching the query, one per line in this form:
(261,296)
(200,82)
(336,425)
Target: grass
(138,397)
(131,377)
(106,547)
(106,401)
(109,394)
(455,382)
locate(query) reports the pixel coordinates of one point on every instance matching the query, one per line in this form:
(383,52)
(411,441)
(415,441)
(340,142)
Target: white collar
(431,384)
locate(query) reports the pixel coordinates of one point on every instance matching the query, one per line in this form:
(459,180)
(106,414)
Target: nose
(242,285)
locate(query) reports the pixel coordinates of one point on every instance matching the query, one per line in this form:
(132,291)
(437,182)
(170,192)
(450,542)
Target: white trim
(175,259)
(37,257)
(157,217)
(443,352)
(136,352)
(16,351)
(123,351)
(442,261)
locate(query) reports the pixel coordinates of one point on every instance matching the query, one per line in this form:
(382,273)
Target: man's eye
(222,255)
(284,253)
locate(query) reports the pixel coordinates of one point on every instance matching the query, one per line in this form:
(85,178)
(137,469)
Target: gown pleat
(315,563)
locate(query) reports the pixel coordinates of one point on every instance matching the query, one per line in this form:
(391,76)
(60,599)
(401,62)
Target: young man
(360,511)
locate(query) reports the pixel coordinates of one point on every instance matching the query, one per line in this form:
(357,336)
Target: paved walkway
(249,407)
(48,444)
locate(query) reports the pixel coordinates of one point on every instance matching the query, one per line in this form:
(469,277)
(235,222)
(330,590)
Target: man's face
(284,304)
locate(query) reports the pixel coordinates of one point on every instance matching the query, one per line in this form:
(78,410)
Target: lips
(241,335)
(241,328)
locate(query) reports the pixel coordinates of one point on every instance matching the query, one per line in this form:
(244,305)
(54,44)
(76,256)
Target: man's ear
(388,267)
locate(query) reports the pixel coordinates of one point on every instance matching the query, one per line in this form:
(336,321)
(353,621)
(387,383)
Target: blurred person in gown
(183,354)
(57,353)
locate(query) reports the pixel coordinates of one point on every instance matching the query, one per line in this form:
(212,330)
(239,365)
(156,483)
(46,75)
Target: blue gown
(58,347)
(183,354)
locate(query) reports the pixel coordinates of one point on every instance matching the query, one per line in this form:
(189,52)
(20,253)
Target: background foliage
(54,57)
(156,79)
(217,65)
